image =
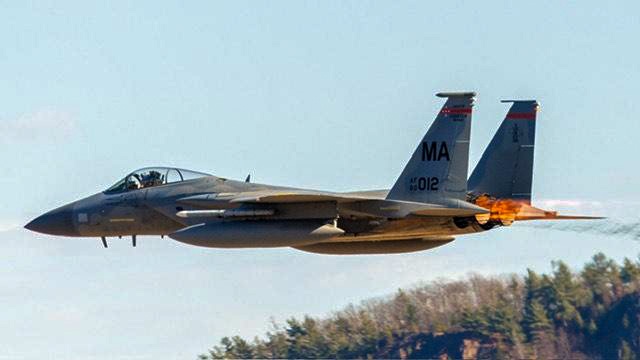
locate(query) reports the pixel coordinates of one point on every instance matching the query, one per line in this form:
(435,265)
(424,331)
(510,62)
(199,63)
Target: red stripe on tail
(464,111)
(522,115)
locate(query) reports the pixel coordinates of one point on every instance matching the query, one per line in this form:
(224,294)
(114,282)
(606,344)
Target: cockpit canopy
(153,176)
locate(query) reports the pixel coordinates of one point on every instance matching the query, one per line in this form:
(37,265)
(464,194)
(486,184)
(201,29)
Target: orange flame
(504,211)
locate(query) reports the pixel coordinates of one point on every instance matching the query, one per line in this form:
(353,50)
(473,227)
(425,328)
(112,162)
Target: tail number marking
(422,183)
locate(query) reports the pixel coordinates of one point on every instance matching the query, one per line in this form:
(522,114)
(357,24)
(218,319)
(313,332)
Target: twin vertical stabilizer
(437,171)
(505,170)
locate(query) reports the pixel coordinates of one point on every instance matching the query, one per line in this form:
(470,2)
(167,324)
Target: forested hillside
(594,313)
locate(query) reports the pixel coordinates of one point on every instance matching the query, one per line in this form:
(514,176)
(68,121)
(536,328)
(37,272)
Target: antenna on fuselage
(104,241)
(133,240)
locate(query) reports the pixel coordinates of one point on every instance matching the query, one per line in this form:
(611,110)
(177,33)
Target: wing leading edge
(373,204)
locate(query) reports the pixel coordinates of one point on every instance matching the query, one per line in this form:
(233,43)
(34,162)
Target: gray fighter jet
(428,205)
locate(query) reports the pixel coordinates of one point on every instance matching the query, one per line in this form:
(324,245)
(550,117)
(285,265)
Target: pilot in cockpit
(149,177)
(133,182)
(153,178)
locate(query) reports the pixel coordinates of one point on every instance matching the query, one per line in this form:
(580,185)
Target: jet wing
(360,204)
(301,196)
(213,200)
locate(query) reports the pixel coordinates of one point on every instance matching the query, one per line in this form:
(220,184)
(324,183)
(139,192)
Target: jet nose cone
(55,222)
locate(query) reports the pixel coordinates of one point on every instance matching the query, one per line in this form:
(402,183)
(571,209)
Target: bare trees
(564,314)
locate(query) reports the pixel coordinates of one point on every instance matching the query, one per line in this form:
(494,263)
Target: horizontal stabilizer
(528,212)
(506,211)
(553,215)
(574,217)
(559,217)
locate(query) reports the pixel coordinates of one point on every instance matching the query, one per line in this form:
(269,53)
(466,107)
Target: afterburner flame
(503,211)
(506,211)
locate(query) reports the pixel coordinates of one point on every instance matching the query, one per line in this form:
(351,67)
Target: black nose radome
(55,222)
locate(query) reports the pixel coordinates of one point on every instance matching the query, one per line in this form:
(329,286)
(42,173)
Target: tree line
(590,313)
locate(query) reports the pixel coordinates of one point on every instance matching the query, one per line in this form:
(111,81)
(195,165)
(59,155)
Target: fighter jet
(429,204)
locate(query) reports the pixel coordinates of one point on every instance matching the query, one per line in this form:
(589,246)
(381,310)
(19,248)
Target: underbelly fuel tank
(257,233)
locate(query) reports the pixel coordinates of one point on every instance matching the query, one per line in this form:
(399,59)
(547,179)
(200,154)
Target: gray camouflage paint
(506,167)
(414,215)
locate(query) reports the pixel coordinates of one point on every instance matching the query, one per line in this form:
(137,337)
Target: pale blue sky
(328,95)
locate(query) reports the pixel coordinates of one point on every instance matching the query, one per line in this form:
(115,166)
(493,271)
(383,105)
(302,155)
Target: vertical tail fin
(437,170)
(505,170)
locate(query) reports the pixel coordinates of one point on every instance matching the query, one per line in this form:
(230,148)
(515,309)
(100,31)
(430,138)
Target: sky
(330,95)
